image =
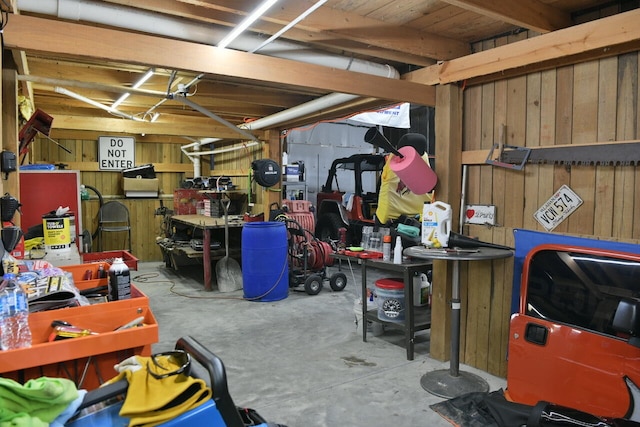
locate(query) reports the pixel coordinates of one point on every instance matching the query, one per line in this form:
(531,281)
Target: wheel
(327,227)
(338,281)
(313,284)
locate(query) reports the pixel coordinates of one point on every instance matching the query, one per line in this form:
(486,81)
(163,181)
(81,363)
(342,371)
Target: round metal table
(449,383)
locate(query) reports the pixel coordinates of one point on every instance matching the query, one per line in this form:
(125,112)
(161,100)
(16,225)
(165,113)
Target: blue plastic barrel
(265,266)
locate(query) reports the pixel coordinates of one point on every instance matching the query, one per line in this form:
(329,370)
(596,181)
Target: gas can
(119,281)
(436,224)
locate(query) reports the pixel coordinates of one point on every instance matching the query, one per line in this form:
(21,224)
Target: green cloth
(36,403)
(21,420)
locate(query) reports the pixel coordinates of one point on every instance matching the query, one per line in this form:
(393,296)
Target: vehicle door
(563,346)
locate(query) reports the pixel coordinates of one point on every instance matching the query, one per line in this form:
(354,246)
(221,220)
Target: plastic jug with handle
(436,224)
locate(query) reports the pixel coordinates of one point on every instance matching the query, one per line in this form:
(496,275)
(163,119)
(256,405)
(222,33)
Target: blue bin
(265,267)
(205,414)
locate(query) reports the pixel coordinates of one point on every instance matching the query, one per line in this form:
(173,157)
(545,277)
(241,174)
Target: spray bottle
(397,252)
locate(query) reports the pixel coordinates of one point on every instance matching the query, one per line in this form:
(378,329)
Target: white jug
(421,290)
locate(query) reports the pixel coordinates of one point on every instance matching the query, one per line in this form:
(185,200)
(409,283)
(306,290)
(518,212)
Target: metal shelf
(302,184)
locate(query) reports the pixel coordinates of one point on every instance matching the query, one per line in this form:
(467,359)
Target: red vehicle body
(575,340)
(360,175)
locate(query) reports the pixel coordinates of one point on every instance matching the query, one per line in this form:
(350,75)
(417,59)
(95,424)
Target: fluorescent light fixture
(289,25)
(79,97)
(154,117)
(136,85)
(245,24)
(120,100)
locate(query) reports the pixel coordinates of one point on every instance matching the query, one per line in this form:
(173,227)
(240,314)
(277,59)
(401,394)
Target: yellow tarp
(395,199)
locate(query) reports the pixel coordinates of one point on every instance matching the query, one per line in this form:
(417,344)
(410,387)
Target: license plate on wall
(555,210)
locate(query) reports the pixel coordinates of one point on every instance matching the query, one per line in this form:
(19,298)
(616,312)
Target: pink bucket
(414,171)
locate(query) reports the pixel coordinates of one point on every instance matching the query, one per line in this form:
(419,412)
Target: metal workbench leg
(364,301)
(408,315)
(206,258)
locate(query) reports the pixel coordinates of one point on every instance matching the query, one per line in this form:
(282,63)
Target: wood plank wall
(586,103)
(171,165)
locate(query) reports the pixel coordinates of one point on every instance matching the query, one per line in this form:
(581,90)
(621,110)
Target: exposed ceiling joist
(324,24)
(603,34)
(113,42)
(194,127)
(530,14)
(73,40)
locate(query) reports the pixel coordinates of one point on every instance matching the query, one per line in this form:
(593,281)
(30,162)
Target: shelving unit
(415,320)
(288,185)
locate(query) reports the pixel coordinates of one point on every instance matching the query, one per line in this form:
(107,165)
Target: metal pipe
(111,110)
(463,199)
(184,100)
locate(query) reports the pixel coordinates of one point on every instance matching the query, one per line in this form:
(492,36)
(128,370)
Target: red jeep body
(575,340)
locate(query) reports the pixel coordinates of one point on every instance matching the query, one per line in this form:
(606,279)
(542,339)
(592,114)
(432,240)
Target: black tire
(313,284)
(338,281)
(328,226)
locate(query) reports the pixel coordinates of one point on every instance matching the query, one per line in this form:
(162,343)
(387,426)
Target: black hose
(101,202)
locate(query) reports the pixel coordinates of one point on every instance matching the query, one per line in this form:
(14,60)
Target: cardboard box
(140,187)
(292,173)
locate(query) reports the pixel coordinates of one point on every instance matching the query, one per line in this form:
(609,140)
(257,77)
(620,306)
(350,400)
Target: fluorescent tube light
(289,25)
(136,85)
(79,97)
(120,100)
(245,24)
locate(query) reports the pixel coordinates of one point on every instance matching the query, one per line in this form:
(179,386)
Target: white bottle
(386,248)
(397,252)
(14,320)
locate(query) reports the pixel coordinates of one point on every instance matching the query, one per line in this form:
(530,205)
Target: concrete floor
(299,361)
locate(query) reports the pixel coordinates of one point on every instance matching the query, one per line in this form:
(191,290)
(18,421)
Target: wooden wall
(171,166)
(587,103)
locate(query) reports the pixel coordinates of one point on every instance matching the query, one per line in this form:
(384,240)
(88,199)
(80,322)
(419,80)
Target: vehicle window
(344,179)
(579,289)
(369,182)
(371,171)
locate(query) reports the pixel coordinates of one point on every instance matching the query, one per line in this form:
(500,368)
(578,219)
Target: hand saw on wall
(620,153)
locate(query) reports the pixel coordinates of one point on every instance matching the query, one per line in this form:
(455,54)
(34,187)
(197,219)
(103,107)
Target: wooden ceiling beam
(328,23)
(197,128)
(580,42)
(530,14)
(323,24)
(33,34)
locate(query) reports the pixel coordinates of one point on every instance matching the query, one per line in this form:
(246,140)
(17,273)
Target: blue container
(265,267)
(205,414)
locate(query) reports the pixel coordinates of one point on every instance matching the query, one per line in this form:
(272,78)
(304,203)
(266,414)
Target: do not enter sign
(116,152)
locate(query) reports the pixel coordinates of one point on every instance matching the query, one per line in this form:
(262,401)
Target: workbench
(416,318)
(208,226)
